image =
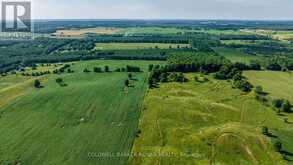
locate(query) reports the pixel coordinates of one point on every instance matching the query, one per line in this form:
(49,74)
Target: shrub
(258,90)
(265,130)
(97,69)
(261,98)
(107,69)
(277,103)
(126,83)
(86,70)
(278,146)
(37,84)
(59,80)
(286,106)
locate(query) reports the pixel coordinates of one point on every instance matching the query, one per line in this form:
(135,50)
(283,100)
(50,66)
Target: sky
(163,9)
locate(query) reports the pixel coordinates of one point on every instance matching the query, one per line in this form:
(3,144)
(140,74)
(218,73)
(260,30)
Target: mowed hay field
(133,46)
(205,123)
(277,84)
(61,125)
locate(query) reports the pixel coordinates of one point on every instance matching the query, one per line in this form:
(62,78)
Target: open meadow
(235,55)
(278,85)
(205,122)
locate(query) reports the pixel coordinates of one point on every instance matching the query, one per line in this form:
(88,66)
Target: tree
(97,69)
(126,83)
(286,106)
(86,70)
(151,82)
(164,77)
(151,67)
(255,65)
(274,67)
(265,130)
(196,78)
(259,90)
(181,78)
(59,80)
(277,103)
(130,76)
(37,84)
(107,68)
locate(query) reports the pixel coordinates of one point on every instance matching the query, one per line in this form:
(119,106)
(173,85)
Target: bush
(286,106)
(265,130)
(258,90)
(59,80)
(278,146)
(164,77)
(37,84)
(261,98)
(97,69)
(277,103)
(107,69)
(86,70)
(126,83)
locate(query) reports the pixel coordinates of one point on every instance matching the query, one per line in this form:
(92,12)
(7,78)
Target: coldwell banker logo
(16,16)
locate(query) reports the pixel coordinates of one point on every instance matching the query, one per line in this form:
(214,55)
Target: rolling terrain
(203,123)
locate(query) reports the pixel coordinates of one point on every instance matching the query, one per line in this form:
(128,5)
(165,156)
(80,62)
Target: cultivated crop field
(84,31)
(94,113)
(205,122)
(174,30)
(132,46)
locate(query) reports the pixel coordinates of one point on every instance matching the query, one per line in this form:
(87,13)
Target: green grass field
(205,123)
(62,125)
(160,30)
(236,55)
(133,46)
(277,84)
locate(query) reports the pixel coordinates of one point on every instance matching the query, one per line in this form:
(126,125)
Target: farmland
(236,55)
(89,115)
(280,34)
(277,84)
(82,32)
(148,92)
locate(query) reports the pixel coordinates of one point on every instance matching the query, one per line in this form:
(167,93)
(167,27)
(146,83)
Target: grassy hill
(277,85)
(205,123)
(70,125)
